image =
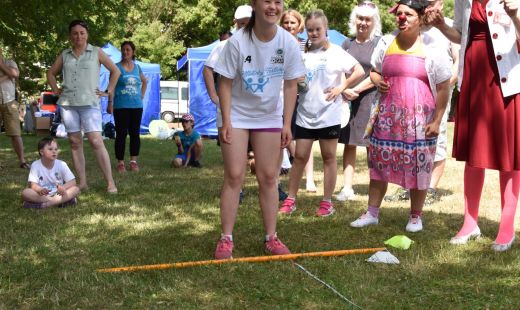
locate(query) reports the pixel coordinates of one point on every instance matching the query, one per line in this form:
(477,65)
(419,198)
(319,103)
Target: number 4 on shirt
(248,59)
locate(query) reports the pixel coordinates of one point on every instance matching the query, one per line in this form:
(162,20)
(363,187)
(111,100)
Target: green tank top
(80,78)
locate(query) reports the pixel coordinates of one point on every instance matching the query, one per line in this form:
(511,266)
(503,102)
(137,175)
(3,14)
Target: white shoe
(497,247)
(414,224)
(474,234)
(346,194)
(365,220)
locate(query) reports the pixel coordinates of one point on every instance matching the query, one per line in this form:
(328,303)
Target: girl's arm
(441,101)
(188,155)
(224,95)
(356,74)
(290,88)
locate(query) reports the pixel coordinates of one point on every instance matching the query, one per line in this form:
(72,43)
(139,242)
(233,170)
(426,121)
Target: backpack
(109,130)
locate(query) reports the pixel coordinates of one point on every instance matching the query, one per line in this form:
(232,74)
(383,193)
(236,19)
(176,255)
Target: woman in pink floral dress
(413,80)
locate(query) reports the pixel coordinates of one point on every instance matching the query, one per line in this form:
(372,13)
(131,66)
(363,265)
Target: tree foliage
(35,32)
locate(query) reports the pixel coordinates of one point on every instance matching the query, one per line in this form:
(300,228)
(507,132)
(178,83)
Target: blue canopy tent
(200,105)
(334,36)
(152,97)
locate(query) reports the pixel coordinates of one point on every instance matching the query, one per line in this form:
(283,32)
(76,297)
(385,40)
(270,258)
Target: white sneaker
(346,194)
(474,234)
(365,220)
(414,224)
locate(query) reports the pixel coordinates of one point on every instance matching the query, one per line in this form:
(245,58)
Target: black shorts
(331,132)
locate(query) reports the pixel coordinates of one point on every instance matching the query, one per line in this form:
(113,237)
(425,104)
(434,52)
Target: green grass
(48,257)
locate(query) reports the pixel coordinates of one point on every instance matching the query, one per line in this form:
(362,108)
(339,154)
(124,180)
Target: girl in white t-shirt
(51,182)
(254,64)
(330,70)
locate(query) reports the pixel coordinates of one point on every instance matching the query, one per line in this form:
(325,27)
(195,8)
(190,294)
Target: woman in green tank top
(79,99)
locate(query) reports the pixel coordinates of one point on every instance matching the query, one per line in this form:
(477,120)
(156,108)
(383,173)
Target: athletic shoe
(346,194)
(195,164)
(281,194)
(274,246)
(474,234)
(69,203)
(497,247)
(400,194)
(224,248)
(32,205)
(414,224)
(288,206)
(134,166)
(326,209)
(365,220)
(121,167)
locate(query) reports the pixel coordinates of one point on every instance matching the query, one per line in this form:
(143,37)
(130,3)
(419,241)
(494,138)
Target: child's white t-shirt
(325,69)
(59,174)
(258,70)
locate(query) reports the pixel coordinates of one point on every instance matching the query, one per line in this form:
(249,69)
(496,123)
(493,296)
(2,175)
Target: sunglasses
(367,3)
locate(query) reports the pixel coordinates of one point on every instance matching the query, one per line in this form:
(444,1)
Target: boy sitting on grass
(189,144)
(51,183)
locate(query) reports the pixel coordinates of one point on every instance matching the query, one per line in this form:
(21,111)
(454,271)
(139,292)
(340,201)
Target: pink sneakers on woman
(274,246)
(224,248)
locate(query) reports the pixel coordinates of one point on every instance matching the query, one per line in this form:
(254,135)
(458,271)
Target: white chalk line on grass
(326,285)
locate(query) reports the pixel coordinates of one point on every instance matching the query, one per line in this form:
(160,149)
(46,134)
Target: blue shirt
(128,88)
(188,141)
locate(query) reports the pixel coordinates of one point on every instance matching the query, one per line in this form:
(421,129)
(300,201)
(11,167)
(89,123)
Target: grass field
(48,257)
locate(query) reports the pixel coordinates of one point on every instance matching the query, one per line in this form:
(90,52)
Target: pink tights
(509,189)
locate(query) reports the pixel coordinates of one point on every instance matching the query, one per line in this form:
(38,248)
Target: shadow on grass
(165,215)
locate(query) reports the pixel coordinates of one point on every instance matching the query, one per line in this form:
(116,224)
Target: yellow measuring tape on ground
(254,259)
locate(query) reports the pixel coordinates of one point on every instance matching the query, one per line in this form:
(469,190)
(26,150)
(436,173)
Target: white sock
(230,237)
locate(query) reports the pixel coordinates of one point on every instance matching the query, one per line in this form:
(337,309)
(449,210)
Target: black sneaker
(281,194)
(195,164)
(401,194)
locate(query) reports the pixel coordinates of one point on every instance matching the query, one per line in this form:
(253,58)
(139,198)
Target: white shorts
(86,118)
(441,152)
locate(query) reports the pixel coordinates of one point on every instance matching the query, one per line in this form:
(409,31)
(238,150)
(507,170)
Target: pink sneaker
(224,248)
(326,208)
(288,206)
(274,246)
(121,167)
(134,166)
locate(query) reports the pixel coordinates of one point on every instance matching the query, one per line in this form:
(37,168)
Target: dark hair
(250,24)
(132,46)
(225,32)
(77,22)
(418,6)
(43,142)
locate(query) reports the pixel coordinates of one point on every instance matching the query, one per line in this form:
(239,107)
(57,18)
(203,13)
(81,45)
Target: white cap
(243,11)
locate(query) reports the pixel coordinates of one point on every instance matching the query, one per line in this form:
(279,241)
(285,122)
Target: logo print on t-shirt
(278,58)
(248,59)
(255,87)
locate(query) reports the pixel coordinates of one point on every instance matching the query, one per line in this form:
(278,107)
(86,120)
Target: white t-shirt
(214,55)
(439,39)
(325,69)
(50,178)
(211,62)
(258,70)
